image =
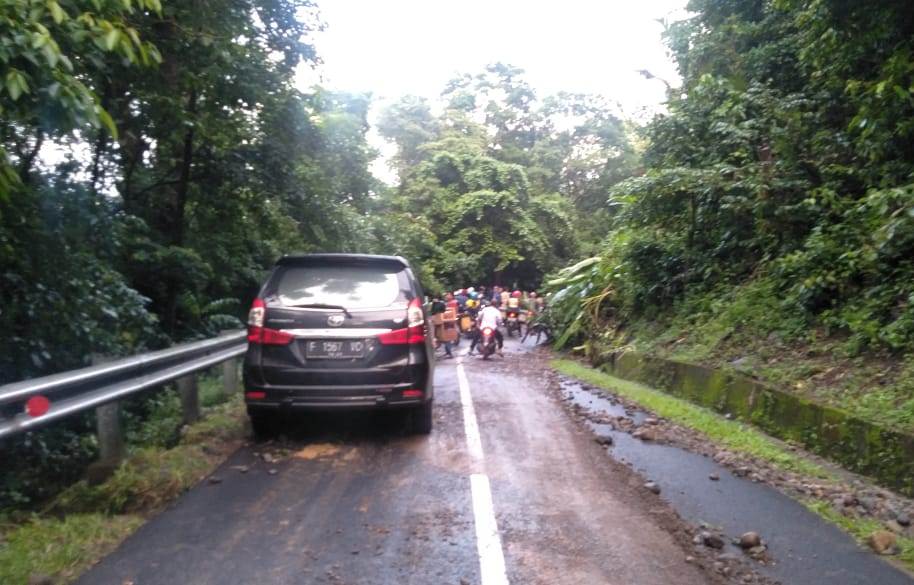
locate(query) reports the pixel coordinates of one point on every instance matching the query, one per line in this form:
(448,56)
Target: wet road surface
(507,489)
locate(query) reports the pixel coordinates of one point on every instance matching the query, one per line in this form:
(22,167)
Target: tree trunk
(693,220)
(101,144)
(180,202)
(28,160)
(183,186)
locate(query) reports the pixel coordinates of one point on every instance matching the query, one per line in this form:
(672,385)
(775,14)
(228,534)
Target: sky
(393,48)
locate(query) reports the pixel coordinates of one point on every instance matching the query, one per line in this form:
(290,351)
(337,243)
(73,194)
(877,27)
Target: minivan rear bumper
(286,398)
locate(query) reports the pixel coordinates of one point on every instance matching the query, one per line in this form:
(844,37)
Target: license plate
(335,349)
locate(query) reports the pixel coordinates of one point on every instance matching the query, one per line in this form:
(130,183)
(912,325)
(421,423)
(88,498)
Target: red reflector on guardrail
(37,406)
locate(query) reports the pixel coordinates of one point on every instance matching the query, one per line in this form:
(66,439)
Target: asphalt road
(507,489)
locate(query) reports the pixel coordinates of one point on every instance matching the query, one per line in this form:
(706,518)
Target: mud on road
(353,500)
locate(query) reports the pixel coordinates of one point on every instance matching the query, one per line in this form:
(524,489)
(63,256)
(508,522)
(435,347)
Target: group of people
(484,308)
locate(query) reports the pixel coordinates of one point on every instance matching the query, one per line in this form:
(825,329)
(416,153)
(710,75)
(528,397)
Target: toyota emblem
(335,320)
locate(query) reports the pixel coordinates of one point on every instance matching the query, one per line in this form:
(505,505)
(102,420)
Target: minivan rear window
(353,287)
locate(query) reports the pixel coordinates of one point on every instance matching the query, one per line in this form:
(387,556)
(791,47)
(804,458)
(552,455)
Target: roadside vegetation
(60,548)
(862,528)
(64,535)
(772,228)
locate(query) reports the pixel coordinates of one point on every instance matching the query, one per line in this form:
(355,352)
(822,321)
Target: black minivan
(339,331)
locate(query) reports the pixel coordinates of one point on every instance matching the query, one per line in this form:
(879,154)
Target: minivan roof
(335,258)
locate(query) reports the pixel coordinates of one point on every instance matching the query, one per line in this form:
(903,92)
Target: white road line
(474,443)
(488,542)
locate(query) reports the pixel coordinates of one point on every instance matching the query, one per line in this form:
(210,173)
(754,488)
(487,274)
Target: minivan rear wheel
(422,419)
(263,425)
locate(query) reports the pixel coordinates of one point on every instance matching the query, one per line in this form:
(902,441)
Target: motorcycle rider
(461,296)
(490,317)
(472,304)
(513,302)
(505,295)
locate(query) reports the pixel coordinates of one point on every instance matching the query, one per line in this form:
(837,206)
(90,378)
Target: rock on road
(352,500)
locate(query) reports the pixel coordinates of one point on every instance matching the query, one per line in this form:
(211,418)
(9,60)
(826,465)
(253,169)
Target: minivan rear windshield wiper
(322,306)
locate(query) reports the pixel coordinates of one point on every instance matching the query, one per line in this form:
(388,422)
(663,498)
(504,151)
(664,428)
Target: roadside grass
(733,435)
(746,329)
(85,522)
(60,548)
(861,528)
(152,476)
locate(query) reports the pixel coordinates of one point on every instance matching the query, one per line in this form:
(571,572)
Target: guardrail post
(110,434)
(230,381)
(230,376)
(190,398)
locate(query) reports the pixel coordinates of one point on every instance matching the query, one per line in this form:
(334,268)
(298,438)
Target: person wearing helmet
(505,295)
(461,296)
(513,301)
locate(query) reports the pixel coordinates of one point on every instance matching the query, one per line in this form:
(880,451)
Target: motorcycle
(467,324)
(487,343)
(512,321)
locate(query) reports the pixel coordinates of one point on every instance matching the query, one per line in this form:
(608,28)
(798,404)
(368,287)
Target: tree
(784,162)
(470,181)
(195,163)
(47,51)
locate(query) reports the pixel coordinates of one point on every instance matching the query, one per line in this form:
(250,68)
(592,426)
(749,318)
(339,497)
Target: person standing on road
(451,303)
(531,304)
(438,307)
(535,304)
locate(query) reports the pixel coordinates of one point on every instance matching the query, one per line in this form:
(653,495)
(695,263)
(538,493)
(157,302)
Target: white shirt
(489,317)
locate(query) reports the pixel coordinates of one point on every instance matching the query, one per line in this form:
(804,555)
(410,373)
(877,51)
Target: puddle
(883,453)
(575,393)
(804,549)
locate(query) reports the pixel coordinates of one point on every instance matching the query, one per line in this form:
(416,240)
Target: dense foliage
(155,159)
(502,186)
(784,164)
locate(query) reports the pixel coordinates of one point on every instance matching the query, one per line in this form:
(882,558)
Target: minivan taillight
(261,335)
(413,333)
(414,317)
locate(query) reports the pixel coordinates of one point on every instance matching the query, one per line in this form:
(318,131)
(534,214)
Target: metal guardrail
(76,391)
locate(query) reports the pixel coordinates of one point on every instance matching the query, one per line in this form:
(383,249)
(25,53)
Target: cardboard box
(445,326)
